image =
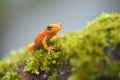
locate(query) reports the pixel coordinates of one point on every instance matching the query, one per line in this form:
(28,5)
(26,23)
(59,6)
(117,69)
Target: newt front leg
(58,36)
(44,44)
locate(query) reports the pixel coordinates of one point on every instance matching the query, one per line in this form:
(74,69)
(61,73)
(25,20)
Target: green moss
(90,43)
(41,61)
(11,62)
(11,75)
(90,53)
(54,76)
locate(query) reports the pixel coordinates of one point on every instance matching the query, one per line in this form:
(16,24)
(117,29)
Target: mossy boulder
(93,53)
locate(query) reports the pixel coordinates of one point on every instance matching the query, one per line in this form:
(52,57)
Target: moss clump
(9,64)
(44,62)
(54,76)
(11,75)
(88,54)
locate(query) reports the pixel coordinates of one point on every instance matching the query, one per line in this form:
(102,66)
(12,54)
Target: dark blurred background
(22,20)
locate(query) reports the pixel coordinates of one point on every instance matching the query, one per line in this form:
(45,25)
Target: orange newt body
(41,39)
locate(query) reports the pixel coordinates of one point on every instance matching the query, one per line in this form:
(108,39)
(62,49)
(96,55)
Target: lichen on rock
(93,53)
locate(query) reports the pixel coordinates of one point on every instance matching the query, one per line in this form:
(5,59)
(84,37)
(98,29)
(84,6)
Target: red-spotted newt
(41,39)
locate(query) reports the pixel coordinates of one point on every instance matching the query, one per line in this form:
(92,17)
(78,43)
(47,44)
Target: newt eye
(49,27)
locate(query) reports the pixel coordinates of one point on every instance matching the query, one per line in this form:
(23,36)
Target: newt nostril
(61,25)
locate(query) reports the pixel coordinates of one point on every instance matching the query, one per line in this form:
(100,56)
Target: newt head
(53,28)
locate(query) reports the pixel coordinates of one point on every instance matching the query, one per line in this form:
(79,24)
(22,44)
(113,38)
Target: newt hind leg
(31,48)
